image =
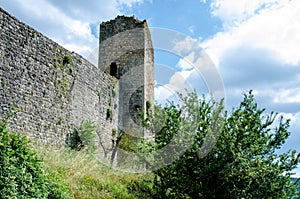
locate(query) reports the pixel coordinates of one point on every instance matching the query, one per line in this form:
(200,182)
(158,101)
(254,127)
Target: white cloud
(178,83)
(259,49)
(291,95)
(189,78)
(232,12)
(275,28)
(191,29)
(203,75)
(185,45)
(297,173)
(85,50)
(294,117)
(163,93)
(129,3)
(78,28)
(184,63)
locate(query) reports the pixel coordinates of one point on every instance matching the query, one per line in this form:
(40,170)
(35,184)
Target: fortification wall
(53,89)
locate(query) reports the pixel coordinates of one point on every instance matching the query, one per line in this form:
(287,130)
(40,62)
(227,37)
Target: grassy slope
(86,176)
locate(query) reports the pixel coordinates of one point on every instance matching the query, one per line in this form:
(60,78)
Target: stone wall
(126,44)
(52,89)
(119,24)
(149,73)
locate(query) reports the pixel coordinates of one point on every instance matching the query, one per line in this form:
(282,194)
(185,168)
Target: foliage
(109,114)
(148,106)
(64,86)
(86,176)
(22,174)
(73,141)
(242,161)
(61,71)
(127,142)
(83,137)
(67,60)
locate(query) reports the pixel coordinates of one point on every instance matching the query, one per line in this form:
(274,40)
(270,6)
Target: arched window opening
(113,69)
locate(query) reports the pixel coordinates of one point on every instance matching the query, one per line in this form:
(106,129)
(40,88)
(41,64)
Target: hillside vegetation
(239,161)
(31,170)
(86,176)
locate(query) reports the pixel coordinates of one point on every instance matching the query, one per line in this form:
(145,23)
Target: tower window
(113,69)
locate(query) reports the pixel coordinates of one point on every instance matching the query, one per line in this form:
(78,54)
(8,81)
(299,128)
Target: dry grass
(87,177)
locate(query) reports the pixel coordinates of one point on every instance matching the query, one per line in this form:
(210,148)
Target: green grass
(87,177)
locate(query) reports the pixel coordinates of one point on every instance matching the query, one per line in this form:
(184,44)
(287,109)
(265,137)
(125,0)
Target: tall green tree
(229,155)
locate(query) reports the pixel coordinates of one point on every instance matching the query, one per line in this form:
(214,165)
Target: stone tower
(126,53)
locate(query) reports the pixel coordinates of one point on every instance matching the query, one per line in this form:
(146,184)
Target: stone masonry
(126,52)
(53,90)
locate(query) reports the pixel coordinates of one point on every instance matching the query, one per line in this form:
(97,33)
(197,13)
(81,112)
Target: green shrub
(109,114)
(73,141)
(87,133)
(67,60)
(83,137)
(22,174)
(228,154)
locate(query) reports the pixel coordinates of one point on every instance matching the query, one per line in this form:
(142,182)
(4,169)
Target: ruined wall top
(117,25)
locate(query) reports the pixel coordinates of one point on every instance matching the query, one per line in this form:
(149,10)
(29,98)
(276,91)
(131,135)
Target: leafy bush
(83,137)
(243,162)
(22,174)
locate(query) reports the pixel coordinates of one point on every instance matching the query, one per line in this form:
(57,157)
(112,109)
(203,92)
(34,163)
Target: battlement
(119,24)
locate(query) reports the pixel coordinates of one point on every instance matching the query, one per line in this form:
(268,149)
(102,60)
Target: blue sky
(254,44)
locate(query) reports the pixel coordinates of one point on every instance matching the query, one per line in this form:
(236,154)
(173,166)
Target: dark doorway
(113,69)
